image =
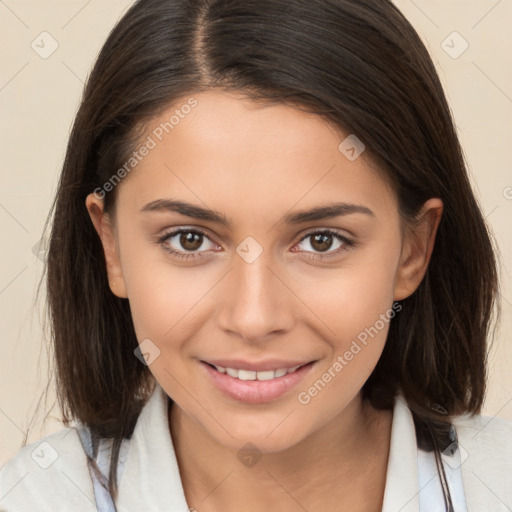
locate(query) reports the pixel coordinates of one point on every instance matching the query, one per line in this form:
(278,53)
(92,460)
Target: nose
(256,301)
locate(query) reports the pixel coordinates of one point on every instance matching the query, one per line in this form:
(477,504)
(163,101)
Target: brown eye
(191,241)
(320,243)
(186,243)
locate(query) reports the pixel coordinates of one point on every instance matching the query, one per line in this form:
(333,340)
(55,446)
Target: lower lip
(256,391)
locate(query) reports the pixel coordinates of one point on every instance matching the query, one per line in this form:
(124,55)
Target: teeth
(231,372)
(268,375)
(252,375)
(246,375)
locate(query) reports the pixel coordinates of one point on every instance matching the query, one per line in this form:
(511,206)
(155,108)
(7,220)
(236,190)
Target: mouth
(259,384)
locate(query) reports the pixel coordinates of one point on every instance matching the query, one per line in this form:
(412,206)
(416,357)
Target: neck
(336,464)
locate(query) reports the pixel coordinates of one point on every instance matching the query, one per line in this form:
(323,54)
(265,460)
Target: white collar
(151,463)
(402,489)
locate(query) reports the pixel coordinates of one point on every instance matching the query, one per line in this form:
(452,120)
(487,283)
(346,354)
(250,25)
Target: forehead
(222,148)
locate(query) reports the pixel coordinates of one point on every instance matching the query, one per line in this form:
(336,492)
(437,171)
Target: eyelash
(347,243)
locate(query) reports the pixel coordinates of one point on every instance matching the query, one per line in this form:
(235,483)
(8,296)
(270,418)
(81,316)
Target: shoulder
(485,445)
(491,432)
(46,474)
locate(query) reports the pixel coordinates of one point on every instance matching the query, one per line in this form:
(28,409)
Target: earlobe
(417,249)
(105,230)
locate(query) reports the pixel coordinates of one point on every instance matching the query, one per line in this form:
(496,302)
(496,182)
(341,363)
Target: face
(248,244)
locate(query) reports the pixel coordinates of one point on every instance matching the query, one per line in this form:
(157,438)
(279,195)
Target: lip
(256,391)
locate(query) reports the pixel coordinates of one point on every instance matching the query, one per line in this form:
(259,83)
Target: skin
(255,165)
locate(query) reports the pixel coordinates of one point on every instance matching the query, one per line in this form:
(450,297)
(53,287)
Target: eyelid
(331,231)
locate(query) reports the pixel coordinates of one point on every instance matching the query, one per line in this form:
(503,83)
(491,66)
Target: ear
(417,249)
(104,228)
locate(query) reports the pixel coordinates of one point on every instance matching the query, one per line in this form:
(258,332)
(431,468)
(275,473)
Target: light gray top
(52,474)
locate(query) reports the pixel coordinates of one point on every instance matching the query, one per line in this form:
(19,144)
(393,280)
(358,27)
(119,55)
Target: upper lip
(257,366)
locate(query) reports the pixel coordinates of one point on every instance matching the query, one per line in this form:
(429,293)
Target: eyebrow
(197,212)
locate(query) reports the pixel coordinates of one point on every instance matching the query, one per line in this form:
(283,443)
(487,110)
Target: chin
(267,436)
(260,444)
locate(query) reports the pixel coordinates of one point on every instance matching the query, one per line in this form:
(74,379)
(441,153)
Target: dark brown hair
(360,65)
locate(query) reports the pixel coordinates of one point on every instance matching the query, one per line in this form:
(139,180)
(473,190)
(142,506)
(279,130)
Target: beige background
(39,97)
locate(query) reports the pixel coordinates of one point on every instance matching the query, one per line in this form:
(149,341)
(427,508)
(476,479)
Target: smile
(256,383)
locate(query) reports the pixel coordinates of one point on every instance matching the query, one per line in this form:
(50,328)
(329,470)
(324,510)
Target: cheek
(165,303)
(358,313)
(168,305)
(351,298)
(163,297)
(355,302)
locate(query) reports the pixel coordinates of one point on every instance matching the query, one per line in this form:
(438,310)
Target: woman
(269,280)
